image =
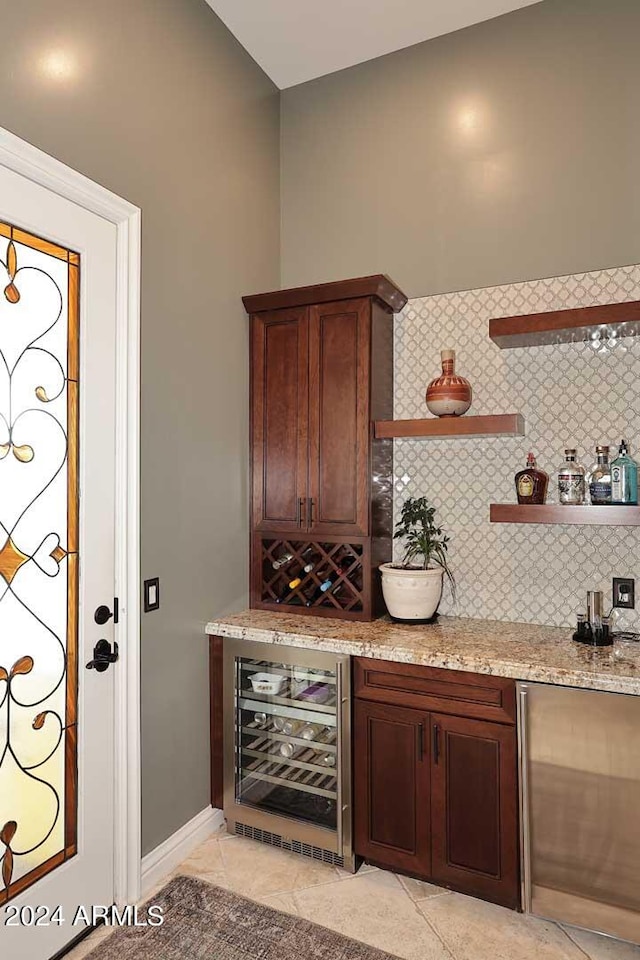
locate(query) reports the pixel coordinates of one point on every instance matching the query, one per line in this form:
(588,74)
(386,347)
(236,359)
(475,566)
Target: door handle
(420,741)
(310,510)
(299,517)
(103,656)
(436,743)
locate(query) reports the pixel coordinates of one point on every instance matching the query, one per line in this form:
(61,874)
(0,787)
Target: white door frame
(35,165)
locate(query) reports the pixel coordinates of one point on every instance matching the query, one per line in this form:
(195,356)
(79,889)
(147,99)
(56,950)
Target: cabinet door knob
(436,743)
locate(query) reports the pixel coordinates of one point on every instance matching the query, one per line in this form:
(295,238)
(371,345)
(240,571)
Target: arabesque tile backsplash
(575,394)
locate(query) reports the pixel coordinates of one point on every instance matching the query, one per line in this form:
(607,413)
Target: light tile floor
(407,918)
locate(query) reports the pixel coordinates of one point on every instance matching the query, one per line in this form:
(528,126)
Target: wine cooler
(287,749)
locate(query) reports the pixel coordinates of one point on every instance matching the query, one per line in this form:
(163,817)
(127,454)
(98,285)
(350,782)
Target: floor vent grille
(294,846)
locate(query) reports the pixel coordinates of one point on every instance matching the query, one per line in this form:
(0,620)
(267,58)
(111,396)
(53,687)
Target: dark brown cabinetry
(436,787)
(279,425)
(392,787)
(474,807)
(321,373)
(339,419)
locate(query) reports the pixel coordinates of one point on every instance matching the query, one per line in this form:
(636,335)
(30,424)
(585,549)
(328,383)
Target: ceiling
(297,40)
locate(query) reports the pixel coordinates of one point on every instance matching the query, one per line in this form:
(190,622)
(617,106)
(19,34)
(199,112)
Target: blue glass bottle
(624,478)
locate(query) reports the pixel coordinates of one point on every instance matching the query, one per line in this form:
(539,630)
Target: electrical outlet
(624,592)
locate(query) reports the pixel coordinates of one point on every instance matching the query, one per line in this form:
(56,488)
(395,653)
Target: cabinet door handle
(420,741)
(436,743)
(310,503)
(299,516)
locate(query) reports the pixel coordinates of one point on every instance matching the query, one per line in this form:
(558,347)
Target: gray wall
(505,151)
(171,113)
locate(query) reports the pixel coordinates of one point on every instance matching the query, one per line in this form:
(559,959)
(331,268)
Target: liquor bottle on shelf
(531,483)
(599,478)
(289,750)
(624,478)
(260,719)
(571,484)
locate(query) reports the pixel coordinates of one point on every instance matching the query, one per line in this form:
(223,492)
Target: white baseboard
(176,848)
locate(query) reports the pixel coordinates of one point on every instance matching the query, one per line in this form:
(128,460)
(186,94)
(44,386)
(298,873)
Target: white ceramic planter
(411,595)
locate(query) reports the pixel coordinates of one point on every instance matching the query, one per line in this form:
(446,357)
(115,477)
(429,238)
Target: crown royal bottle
(531,483)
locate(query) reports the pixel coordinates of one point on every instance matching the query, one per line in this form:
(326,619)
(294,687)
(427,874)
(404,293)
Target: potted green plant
(412,589)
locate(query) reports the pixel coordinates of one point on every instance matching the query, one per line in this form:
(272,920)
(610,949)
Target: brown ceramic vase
(448,395)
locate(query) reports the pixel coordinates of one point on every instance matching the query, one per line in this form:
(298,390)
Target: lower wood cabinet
(392,787)
(474,808)
(436,793)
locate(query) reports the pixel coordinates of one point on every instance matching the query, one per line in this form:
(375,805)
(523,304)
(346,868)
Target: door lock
(103,656)
(102,613)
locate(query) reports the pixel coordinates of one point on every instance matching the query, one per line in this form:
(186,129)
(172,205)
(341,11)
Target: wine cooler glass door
(286,740)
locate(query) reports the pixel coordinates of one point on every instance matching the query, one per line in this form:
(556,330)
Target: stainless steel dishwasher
(580,778)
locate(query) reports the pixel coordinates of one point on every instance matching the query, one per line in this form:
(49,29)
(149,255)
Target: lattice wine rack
(319,577)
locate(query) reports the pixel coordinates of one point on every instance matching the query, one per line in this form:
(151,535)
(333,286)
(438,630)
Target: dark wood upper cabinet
(391,773)
(279,403)
(321,373)
(474,808)
(339,418)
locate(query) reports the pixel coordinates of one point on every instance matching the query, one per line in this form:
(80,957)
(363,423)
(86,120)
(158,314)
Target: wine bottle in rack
(287,590)
(282,560)
(319,591)
(308,567)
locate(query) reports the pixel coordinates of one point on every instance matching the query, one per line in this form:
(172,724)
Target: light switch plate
(151,594)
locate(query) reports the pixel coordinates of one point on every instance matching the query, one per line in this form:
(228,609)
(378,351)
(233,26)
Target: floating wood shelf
(610,516)
(567,326)
(499,425)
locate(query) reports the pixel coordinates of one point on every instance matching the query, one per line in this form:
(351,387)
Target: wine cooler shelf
(307,768)
(312,575)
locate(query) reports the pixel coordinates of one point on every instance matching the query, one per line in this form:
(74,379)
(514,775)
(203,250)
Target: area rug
(204,922)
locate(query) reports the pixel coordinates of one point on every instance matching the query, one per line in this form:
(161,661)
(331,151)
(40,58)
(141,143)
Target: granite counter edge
(448,661)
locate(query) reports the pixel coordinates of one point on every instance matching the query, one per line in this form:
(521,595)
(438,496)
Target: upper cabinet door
(279,410)
(474,808)
(339,363)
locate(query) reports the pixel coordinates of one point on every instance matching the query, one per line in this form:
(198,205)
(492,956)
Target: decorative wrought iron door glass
(39,304)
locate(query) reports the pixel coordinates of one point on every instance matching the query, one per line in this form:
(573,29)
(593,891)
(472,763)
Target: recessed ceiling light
(59,64)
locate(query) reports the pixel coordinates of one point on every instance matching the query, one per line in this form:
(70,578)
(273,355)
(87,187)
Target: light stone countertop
(523,651)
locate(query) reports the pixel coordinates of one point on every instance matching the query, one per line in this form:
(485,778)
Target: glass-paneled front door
(57,454)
